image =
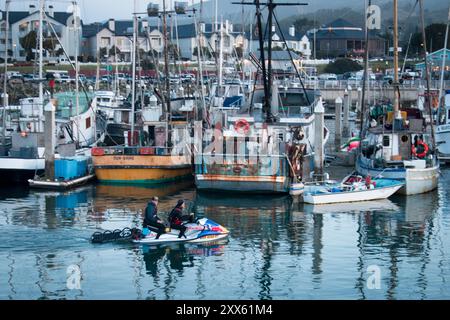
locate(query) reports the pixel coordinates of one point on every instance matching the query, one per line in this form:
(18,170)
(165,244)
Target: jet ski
(203,230)
(200,231)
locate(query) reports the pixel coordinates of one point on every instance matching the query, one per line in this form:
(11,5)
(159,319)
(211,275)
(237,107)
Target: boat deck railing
(241,165)
(139,151)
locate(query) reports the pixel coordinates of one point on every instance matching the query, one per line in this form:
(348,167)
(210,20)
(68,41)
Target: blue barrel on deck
(82,165)
(66,169)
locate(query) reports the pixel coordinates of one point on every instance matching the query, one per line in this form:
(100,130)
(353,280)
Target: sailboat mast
(133,72)
(77,69)
(366,73)
(166,61)
(396,83)
(41,48)
(5,75)
(427,74)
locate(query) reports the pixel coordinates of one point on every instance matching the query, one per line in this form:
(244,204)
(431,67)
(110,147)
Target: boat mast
(77,70)
(5,76)
(427,74)
(441,86)
(133,73)
(166,63)
(396,83)
(366,70)
(41,48)
(221,53)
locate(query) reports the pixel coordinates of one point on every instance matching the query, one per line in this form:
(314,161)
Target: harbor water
(278,248)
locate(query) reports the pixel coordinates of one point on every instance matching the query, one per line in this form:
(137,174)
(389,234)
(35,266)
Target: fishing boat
(399,144)
(267,146)
(156,138)
(443,131)
(352,189)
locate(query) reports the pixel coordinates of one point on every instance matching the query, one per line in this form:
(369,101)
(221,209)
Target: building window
(305,46)
(88,123)
(226,41)
(105,42)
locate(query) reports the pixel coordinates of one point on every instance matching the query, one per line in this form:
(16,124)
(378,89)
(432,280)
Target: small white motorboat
(353,189)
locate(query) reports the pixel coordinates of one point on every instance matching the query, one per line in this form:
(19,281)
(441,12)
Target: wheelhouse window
(386,141)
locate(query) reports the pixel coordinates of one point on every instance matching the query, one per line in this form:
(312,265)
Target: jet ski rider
(151,217)
(176,218)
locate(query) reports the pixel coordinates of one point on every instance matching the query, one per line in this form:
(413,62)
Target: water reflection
(278,248)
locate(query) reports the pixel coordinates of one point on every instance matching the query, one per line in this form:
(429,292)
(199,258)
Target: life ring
(422,154)
(242,125)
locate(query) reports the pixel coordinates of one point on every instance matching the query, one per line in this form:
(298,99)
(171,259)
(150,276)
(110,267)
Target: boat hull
(443,140)
(417,181)
(354,196)
(19,171)
(251,184)
(149,169)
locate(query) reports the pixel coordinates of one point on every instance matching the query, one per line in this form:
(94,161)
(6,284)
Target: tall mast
(441,86)
(77,67)
(366,70)
(271,7)
(166,61)
(5,77)
(41,48)
(220,33)
(133,72)
(427,74)
(396,84)
(263,59)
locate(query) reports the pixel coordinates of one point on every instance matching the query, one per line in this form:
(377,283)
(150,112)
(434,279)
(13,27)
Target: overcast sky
(96,10)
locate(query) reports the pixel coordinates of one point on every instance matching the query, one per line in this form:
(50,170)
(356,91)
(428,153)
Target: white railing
(373,84)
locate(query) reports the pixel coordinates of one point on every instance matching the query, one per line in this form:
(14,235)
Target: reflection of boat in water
(135,196)
(211,200)
(419,207)
(384,205)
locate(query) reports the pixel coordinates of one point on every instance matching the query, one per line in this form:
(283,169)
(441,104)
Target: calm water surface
(278,248)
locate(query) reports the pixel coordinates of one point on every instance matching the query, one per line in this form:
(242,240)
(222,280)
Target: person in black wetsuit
(176,218)
(151,217)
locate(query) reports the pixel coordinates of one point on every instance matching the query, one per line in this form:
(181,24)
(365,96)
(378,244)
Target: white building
(21,23)
(295,41)
(119,34)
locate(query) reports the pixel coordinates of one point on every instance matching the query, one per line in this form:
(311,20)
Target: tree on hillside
(340,66)
(204,51)
(29,43)
(303,24)
(435,39)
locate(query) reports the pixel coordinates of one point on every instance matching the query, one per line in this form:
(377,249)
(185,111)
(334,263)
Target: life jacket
(175,217)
